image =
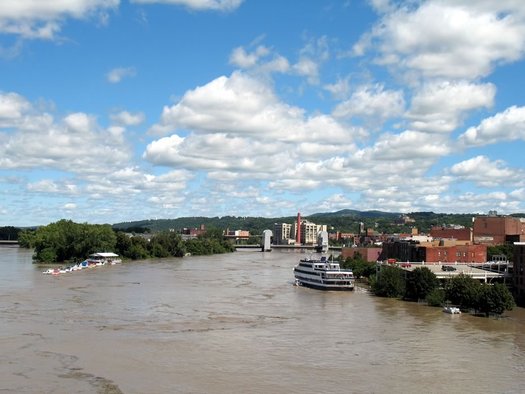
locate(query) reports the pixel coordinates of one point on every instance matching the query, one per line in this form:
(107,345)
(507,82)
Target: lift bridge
(267,245)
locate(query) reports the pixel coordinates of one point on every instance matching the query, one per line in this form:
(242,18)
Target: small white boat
(454,310)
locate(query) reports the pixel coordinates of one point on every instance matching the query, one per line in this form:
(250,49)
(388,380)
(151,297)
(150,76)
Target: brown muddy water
(236,324)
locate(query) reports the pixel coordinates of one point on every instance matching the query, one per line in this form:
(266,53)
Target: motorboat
(454,310)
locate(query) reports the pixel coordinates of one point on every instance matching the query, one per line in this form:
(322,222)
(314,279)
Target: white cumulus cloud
(487,173)
(43,19)
(508,125)
(372,102)
(440,106)
(447,38)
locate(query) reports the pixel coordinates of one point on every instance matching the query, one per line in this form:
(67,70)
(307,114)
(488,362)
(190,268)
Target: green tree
(462,290)
(390,282)
(138,249)
(420,282)
(494,299)
(26,239)
(9,233)
(123,244)
(167,243)
(359,266)
(436,297)
(65,240)
(506,250)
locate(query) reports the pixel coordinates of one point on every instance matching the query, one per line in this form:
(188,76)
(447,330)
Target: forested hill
(345,220)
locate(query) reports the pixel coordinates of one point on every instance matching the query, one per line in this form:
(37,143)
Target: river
(235,323)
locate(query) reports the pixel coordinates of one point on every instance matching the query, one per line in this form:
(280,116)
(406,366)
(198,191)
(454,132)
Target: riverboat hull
(324,287)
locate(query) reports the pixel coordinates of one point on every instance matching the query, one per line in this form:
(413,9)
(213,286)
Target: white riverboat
(103,258)
(323,275)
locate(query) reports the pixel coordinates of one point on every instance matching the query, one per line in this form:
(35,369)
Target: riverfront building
(301,232)
(495,230)
(435,252)
(282,233)
(448,232)
(368,254)
(519,271)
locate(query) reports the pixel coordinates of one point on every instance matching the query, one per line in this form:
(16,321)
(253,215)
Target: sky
(124,110)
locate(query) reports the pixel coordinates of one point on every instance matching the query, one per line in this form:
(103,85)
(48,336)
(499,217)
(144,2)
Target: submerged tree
(65,240)
(359,266)
(420,283)
(389,282)
(494,299)
(462,290)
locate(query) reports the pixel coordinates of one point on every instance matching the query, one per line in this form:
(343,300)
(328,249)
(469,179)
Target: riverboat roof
(104,254)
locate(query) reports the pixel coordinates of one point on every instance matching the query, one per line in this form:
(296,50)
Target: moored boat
(103,258)
(94,260)
(323,275)
(454,310)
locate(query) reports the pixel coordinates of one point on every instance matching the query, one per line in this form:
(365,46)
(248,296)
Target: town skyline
(117,111)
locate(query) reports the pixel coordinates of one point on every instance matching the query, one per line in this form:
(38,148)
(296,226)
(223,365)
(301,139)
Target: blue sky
(122,110)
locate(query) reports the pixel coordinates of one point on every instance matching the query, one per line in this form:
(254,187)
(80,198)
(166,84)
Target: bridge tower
(267,241)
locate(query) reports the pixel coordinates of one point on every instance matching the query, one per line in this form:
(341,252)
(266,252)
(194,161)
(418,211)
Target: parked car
(447,268)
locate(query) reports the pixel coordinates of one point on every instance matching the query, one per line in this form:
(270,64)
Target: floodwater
(235,323)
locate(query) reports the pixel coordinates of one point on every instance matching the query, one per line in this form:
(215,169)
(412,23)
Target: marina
(94,260)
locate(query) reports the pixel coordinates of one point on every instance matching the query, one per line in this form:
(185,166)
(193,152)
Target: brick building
(434,252)
(461,234)
(456,253)
(519,272)
(494,230)
(369,254)
(194,232)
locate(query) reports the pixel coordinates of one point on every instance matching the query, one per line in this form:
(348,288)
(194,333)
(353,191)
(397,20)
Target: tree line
(344,221)
(462,290)
(67,241)
(9,233)
(422,284)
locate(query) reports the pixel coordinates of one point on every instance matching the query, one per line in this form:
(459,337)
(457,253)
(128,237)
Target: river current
(235,323)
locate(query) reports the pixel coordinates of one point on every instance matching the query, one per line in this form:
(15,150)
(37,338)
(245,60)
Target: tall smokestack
(298,237)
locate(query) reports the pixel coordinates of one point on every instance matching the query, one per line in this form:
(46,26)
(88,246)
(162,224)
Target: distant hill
(352,213)
(346,220)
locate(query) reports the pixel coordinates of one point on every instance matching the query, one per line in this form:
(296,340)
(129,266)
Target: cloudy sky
(120,110)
